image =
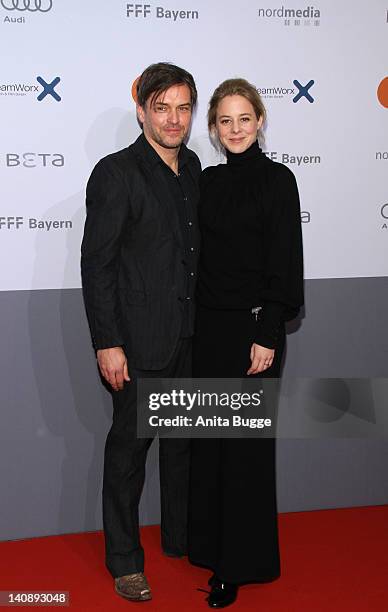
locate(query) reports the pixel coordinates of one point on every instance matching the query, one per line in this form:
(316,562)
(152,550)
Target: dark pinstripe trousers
(124,474)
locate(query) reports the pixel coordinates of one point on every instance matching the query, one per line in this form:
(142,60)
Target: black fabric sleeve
(283,293)
(206,176)
(107,209)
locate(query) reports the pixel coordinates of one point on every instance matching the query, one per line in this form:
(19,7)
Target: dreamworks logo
(47,89)
(309,16)
(143,11)
(297,92)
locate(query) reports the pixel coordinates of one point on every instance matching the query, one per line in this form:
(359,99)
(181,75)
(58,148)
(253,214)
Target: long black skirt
(232,505)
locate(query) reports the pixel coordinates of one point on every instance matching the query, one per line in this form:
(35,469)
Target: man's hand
(113,366)
(261,358)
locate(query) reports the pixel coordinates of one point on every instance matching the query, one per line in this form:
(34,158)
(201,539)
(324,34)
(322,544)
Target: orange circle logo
(134,89)
(382,92)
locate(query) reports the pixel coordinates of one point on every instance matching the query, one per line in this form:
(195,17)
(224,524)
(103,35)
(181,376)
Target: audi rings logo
(384,214)
(34,6)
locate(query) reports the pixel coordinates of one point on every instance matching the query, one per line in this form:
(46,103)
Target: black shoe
(222,594)
(212,580)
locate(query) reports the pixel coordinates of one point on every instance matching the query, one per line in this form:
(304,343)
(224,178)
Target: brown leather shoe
(134,587)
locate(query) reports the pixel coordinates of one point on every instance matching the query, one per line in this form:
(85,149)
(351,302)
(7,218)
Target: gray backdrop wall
(55,412)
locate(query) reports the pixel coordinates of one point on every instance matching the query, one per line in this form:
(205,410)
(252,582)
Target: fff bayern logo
(33,6)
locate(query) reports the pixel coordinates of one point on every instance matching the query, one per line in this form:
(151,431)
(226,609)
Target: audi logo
(384,211)
(43,6)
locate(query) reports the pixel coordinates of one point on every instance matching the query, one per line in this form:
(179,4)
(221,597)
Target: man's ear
(140,113)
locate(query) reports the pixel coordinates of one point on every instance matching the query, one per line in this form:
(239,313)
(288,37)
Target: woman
(250,265)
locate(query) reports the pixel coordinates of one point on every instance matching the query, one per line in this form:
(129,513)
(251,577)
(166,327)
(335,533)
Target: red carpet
(331,560)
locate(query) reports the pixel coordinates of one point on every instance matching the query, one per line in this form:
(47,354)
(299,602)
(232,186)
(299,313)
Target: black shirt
(251,245)
(184,194)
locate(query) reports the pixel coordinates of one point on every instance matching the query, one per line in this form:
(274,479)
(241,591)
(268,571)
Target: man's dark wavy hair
(157,78)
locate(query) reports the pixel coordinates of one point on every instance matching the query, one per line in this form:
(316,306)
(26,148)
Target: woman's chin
(237,147)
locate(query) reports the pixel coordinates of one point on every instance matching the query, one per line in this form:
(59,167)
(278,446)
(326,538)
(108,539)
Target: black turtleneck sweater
(251,253)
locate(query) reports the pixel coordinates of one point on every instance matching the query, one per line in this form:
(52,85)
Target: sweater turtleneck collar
(237,159)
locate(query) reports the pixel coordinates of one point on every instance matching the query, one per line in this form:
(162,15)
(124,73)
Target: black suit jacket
(133,276)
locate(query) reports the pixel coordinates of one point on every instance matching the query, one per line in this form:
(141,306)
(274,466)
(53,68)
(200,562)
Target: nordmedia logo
(382,92)
(308,16)
(22,89)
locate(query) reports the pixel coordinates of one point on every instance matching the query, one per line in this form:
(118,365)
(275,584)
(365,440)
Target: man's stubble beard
(156,137)
(162,143)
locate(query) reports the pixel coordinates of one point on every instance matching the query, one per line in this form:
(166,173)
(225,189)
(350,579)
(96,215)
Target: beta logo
(34,160)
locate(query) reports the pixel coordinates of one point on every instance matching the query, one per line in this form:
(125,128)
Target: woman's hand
(261,358)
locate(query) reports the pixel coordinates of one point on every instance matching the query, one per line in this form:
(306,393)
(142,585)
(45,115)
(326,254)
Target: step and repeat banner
(67,69)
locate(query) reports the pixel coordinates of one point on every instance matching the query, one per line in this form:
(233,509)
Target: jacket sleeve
(283,292)
(107,206)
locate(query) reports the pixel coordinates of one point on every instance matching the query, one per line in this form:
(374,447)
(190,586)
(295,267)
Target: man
(138,264)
